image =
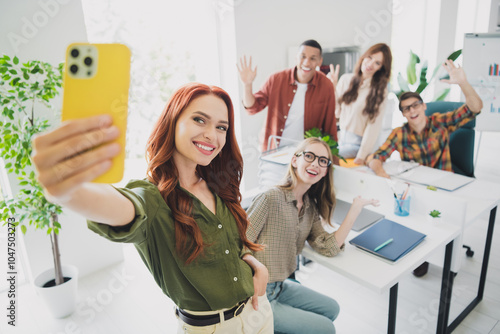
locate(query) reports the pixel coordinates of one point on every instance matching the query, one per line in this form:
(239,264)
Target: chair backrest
(461,140)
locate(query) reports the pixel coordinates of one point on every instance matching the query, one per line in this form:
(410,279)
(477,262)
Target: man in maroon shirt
(298,99)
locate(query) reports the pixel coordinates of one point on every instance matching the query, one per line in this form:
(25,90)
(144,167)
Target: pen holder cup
(402,206)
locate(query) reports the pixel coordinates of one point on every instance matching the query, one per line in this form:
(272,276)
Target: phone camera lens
(75,53)
(73,69)
(87,61)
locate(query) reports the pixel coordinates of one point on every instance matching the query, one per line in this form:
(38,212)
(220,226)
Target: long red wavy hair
(223,174)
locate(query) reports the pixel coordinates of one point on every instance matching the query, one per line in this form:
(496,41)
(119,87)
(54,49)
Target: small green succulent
(435,214)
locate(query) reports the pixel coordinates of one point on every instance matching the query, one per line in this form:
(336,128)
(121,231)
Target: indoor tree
(24,88)
(417,81)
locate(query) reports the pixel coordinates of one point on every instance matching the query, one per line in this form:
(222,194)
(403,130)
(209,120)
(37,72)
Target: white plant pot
(60,299)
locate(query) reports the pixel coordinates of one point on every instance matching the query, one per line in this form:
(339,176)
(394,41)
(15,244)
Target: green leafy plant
(23,87)
(332,143)
(435,214)
(411,83)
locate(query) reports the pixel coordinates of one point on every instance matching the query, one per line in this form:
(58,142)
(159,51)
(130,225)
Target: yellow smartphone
(96,81)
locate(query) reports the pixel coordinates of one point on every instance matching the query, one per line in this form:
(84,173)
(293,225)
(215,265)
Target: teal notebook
(404,239)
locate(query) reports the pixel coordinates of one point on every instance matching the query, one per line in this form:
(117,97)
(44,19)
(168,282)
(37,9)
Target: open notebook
(435,177)
(415,173)
(396,167)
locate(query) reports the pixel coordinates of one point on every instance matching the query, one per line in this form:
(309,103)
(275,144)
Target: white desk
(379,275)
(373,272)
(481,197)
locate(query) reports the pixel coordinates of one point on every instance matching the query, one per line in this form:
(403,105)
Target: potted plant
(23,87)
(332,143)
(418,82)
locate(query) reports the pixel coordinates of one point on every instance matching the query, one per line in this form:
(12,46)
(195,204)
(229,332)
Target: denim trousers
(297,309)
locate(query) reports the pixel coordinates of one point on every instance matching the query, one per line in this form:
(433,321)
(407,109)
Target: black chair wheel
(469,252)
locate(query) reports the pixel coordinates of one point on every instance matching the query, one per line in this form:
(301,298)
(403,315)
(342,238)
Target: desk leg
(393,304)
(487,249)
(482,279)
(446,288)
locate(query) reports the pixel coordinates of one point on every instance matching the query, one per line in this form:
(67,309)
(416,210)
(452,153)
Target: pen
(383,245)
(392,188)
(406,192)
(398,202)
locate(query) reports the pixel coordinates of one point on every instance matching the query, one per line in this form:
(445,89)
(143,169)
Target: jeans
(349,144)
(297,309)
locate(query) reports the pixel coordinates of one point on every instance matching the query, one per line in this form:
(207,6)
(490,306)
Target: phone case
(96,81)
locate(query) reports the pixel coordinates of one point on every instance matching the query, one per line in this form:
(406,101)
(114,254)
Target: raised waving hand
(247,75)
(333,75)
(457,76)
(456,73)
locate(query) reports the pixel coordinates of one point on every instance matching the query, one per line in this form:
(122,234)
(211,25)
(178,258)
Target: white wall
(494,23)
(266,30)
(41,30)
(416,27)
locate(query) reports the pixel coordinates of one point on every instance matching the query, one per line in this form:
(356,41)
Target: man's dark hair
(409,95)
(314,44)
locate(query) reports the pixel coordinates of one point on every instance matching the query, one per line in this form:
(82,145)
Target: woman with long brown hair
(361,100)
(185,218)
(283,218)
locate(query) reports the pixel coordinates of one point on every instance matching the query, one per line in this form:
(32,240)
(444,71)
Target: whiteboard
(481,64)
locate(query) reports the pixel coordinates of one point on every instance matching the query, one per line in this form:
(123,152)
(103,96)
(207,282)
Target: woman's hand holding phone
(73,154)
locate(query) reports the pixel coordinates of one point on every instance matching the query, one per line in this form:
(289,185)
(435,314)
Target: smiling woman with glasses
(310,157)
(283,218)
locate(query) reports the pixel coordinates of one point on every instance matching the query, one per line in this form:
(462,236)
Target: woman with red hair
(185,218)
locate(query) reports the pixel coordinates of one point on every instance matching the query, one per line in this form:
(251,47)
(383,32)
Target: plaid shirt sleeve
(454,119)
(257,216)
(321,241)
(390,145)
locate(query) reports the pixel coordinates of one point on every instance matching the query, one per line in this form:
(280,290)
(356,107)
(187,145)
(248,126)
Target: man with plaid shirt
(426,139)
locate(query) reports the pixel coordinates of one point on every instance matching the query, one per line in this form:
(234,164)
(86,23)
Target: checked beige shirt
(276,223)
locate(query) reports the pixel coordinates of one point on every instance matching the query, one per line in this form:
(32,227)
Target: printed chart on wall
(482,66)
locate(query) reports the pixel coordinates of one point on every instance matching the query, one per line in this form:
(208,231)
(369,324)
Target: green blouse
(217,279)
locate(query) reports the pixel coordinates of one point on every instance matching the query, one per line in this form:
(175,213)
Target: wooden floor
(125,299)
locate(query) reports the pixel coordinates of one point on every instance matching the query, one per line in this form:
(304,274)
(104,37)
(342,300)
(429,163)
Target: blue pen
(383,245)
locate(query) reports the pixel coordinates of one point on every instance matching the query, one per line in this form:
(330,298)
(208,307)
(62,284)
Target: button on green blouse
(217,279)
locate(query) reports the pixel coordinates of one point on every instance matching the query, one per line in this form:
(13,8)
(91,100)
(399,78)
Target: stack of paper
(396,167)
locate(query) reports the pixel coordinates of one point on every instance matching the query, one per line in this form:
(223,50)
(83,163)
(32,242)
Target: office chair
(461,140)
(461,144)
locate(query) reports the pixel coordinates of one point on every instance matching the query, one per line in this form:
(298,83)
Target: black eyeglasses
(414,105)
(310,157)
